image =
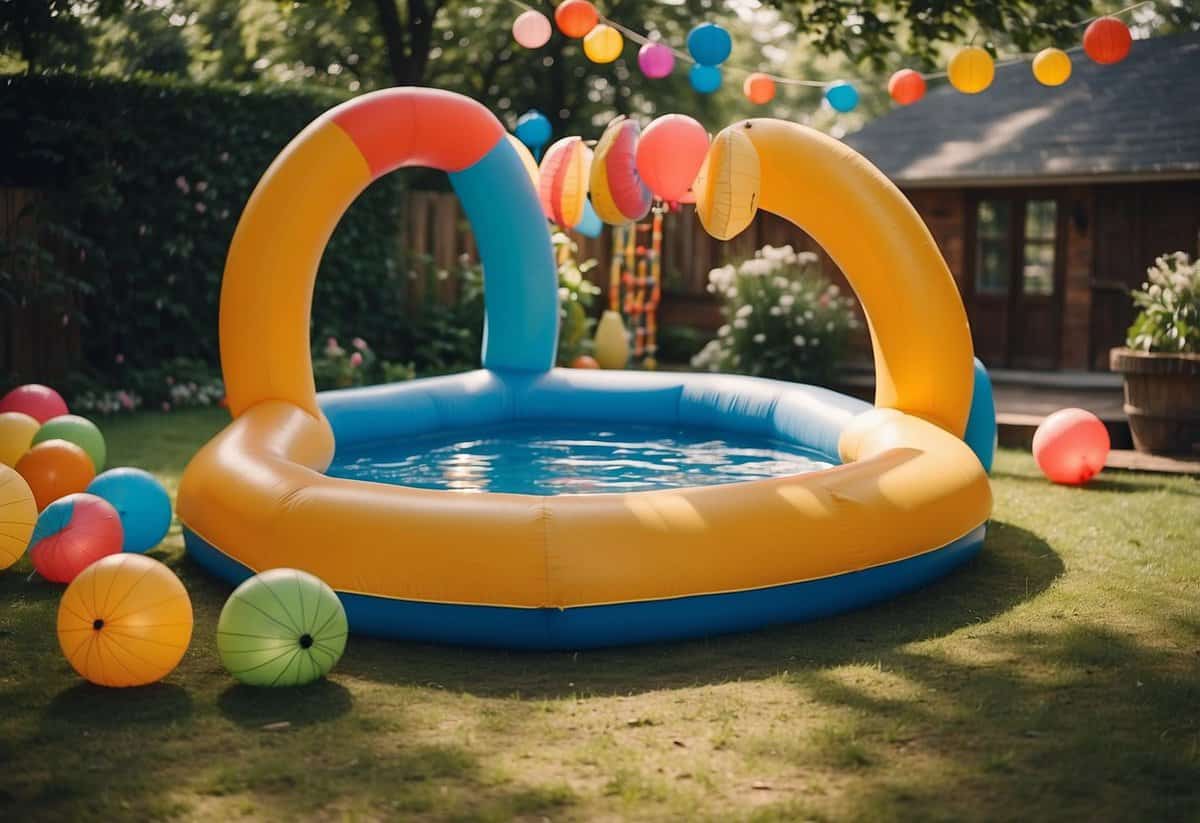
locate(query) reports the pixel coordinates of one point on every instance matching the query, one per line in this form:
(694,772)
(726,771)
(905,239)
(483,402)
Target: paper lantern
(669,156)
(709,44)
(656,60)
(533,129)
(759,88)
(1052,67)
(283,627)
(16,436)
(531,29)
(971,70)
(618,193)
(575,18)
(906,87)
(705,79)
(603,44)
(126,620)
(1071,446)
(728,185)
(531,166)
(1107,40)
(563,181)
(841,96)
(18,515)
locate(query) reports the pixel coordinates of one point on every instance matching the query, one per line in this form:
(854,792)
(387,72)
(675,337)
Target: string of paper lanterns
(971,69)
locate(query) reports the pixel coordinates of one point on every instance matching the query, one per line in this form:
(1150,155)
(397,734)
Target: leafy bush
(782,318)
(141,184)
(575,297)
(336,368)
(1169,303)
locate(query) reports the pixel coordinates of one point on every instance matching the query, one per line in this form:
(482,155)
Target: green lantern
(283,627)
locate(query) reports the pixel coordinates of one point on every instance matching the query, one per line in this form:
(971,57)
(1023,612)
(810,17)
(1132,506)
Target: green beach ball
(283,627)
(78,430)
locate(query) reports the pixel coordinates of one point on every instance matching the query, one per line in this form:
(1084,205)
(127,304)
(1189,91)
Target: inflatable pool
(888,497)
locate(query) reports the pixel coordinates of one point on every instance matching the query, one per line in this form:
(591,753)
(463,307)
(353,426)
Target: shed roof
(1137,119)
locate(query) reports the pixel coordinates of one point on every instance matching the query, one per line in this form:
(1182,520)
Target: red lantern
(1107,40)
(759,88)
(906,87)
(575,18)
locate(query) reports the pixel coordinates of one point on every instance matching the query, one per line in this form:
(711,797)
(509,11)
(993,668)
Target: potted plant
(1161,359)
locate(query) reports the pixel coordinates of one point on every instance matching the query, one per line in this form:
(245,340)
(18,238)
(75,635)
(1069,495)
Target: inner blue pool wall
(807,416)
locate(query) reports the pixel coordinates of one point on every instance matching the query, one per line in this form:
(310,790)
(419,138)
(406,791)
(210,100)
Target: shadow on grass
(85,705)
(1014,566)
(318,702)
(1110,481)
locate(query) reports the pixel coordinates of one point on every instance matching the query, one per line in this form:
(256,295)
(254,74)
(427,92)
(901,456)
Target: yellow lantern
(1052,67)
(603,44)
(971,70)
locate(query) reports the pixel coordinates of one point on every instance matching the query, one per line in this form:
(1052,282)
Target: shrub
(575,297)
(1169,303)
(782,318)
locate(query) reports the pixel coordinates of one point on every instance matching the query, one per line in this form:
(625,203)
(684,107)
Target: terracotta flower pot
(1162,399)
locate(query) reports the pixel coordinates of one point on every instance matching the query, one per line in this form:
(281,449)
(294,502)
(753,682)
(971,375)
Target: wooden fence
(36,344)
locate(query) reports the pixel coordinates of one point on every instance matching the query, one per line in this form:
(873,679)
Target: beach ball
(1052,67)
(16,436)
(531,29)
(78,430)
(18,516)
(709,44)
(126,620)
(54,469)
(669,155)
(603,44)
(971,70)
(39,402)
(1107,40)
(283,627)
(906,87)
(142,503)
(705,79)
(73,533)
(575,18)
(1070,446)
(841,96)
(584,361)
(533,129)
(563,181)
(656,60)
(618,194)
(759,88)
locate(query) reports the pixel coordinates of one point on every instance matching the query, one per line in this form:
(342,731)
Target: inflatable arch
(908,503)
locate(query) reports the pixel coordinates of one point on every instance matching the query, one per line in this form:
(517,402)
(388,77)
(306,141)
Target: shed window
(993,246)
(1041,220)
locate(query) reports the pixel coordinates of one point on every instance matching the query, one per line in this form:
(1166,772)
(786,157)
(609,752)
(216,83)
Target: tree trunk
(408,39)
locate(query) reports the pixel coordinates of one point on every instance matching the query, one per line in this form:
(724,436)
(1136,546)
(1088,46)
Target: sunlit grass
(1058,676)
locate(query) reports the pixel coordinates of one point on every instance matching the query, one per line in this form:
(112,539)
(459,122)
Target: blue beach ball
(705,79)
(842,96)
(709,44)
(142,503)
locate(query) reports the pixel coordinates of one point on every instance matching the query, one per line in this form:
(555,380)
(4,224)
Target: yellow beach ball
(971,70)
(1052,67)
(603,44)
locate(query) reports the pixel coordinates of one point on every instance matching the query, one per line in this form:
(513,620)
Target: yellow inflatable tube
(571,571)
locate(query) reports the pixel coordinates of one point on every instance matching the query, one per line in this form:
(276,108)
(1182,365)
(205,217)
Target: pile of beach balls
(125,619)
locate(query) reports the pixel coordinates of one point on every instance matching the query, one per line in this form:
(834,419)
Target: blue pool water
(548,458)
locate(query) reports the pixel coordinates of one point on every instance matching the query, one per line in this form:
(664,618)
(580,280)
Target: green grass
(1056,677)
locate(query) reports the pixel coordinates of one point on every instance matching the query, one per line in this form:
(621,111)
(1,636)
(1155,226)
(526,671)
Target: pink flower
(201,208)
(120,358)
(181,183)
(166,406)
(170,380)
(356,359)
(359,343)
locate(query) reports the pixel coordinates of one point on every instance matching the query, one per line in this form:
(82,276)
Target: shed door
(1014,288)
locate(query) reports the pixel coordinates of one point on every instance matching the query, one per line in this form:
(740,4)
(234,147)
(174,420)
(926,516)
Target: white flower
(756,267)
(808,314)
(787,301)
(775,311)
(829,326)
(806,258)
(745,310)
(731,293)
(724,331)
(760,338)
(799,341)
(780,282)
(740,323)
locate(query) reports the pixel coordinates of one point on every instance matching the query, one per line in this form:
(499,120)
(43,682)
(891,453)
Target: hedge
(142,183)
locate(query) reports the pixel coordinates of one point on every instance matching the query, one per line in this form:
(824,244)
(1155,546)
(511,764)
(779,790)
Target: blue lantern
(589,225)
(841,96)
(709,44)
(533,129)
(705,79)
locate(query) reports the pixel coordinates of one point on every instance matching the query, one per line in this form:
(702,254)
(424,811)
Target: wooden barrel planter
(1162,399)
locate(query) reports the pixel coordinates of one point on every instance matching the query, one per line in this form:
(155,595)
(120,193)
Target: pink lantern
(531,29)
(656,60)
(670,154)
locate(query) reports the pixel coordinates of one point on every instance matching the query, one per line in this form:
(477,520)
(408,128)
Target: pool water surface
(553,457)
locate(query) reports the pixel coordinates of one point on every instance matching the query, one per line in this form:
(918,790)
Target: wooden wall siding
(1077,285)
(39,341)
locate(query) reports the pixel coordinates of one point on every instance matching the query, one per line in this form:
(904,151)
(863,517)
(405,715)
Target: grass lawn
(1057,676)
